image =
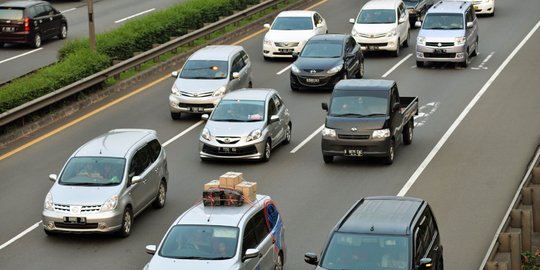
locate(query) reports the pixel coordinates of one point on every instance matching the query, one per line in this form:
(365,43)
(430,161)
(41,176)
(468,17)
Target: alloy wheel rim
(267,150)
(127,222)
(38,41)
(288,136)
(162,194)
(279,265)
(64,31)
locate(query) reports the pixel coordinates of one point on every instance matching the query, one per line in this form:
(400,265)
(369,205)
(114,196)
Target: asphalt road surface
(477,130)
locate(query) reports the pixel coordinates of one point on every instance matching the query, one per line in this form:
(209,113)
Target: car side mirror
(311,258)
(174,74)
(417,24)
(351,20)
(250,254)
(267,26)
(470,24)
(53,177)
(136,179)
(401,20)
(151,249)
(295,55)
(324,106)
(425,263)
(274,118)
(236,75)
(205,116)
(319,25)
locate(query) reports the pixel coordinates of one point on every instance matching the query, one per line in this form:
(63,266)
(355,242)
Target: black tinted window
(271,108)
(261,230)
(141,160)
(155,150)
(249,239)
(40,10)
(238,63)
(323,49)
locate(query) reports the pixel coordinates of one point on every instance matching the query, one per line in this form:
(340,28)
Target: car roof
(364,84)
(330,37)
(382,215)
(296,13)
(449,7)
(382,4)
(249,94)
(115,143)
(21,4)
(221,215)
(215,52)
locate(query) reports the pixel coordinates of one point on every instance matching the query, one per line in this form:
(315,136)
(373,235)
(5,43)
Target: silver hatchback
(246,124)
(106,183)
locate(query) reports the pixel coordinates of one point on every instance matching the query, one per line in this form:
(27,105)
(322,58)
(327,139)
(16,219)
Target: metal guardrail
(98,78)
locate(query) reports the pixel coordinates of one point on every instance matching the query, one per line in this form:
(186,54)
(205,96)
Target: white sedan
(484,7)
(290,31)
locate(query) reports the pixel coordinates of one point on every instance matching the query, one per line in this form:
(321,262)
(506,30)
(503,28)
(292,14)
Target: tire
(328,159)
(467,61)
(161,196)
(279,263)
(440,264)
(36,43)
(406,42)
(361,70)
(420,64)
(408,133)
(63,32)
(175,116)
(396,53)
(389,159)
(476,50)
(267,151)
(250,84)
(288,134)
(127,222)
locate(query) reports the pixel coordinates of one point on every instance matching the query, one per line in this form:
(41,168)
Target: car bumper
(16,37)
(303,81)
(216,150)
(484,8)
(273,51)
(182,104)
(443,54)
(95,223)
(377,44)
(368,147)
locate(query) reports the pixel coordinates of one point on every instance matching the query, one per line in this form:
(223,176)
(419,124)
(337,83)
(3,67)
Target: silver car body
(68,204)
(268,249)
(200,95)
(229,139)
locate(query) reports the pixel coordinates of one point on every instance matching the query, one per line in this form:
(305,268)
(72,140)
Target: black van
(383,233)
(30,22)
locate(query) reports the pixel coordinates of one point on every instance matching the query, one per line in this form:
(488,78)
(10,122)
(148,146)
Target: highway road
(477,130)
(19,59)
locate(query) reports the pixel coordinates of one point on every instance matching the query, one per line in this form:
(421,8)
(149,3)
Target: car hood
(441,35)
(307,63)
(236,129)
(82,195)
(199,85)
(344,124)
(374,28)
(289,35)
(160,263)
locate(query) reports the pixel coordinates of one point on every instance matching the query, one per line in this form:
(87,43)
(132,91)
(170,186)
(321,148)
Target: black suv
(30,22)
(383,233)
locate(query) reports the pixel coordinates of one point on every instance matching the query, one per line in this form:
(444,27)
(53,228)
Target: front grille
(443,44)
(372,35)
(84,209)
(286,44)
(228,140)
(239,151)
(75,225)
(373,44)
(440,55)
(206,106)
(196,94)
(308,81)
(353,137)
(313,70)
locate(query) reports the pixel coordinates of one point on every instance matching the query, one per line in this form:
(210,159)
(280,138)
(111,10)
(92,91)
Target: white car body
(484,6)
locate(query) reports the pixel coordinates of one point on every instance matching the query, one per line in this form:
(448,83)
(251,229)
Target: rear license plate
(8,29)
(196,109)
(372,47)
(286,50)
(439,51)
(312,80)
(75,220)
(353,152)
(227,150)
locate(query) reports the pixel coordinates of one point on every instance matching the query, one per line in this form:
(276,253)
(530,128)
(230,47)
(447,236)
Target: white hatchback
(290,31)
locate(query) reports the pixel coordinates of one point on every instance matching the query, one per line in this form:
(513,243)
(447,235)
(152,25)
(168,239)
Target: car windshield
(292,23)
(93,171)
(323,49)
(239,111)
(374,16)
(200,242)
(11,14)
(368,104)
(411,2)
(359,251)
(204,69)
(443,21)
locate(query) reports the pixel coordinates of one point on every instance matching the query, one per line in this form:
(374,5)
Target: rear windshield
(11,14)
(443,21)
(374,16)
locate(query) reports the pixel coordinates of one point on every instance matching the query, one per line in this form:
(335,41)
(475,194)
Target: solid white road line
(20,235)
(460,118)
(306,140)
(135,15)
(183,133)
(20,55)
(67,10)
(283,70)
(396,65)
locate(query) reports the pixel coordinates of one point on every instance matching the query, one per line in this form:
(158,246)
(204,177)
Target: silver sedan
(246,124)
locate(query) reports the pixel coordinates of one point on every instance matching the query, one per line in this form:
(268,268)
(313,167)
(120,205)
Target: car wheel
(175,115)
(389,159)
(279,262)
(250,84)
(476,49)
(127,221)
(419,64)
(361,70)
(288,135)
(406,42)
(408,132)
(37,41)
(440,264)
(465,63)
(267,151)
(328,158)
(396,53)
(161,196)
(63,32)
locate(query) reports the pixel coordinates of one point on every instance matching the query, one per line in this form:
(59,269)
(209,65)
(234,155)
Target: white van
(382,25)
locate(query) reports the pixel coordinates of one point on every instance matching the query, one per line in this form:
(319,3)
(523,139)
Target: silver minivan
(206,76)
(106,183)
(244,237)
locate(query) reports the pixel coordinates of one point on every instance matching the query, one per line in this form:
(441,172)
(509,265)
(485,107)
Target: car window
(11,14)
(271,108)
(278,102)
(323,49)
(421,238)
(402,11)
(93,171)
(292,23)
(249,240)
(375,16)
(443,21)
(141,160)
(370,103)
(204,69)
(238,63)
(245,57)
(470,15)
(318,19)
(40,10)
(238,111)
(155,150)
(47,10)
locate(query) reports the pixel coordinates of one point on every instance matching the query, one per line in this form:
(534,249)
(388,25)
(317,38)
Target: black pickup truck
(367,118)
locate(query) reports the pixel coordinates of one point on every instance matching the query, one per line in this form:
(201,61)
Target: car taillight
(26,24)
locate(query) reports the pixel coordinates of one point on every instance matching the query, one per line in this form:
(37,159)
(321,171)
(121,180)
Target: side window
(245,57)
(249,240)
(278,102)
(469,15)
(48,10)
(39,11)
(238,63)
(155,150)
(255,232)
(351,44)
(141,160)
(402,10)
(271,108)
(261,230)
(318,19)
(422,236)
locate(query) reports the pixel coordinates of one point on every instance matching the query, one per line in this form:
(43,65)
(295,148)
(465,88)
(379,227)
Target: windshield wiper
(190,257)
(218,258)
(350,114)
(228,120)
(374,114)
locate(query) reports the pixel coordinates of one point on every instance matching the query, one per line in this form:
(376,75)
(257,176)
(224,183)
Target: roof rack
(436,4)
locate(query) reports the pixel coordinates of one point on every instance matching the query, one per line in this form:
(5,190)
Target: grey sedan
(246,124)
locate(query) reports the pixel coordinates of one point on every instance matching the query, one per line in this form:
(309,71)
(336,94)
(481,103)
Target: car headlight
(295,69)
(354,32)
(175,90)
(392,33)
(267,41)
(335,69)
(254,135)
(48,204)
(421,40)
(460,40)
(110,204)
(328,133)
(219,92)
(205,134)
(381,133)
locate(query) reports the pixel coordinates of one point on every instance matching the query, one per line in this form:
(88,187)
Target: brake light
(27,24)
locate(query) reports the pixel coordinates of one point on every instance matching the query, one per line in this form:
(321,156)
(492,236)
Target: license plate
(75,220)
(312,80)
(286,50)
(439,51)
(353,152)
(196,109)
(372,47)
(227,149)
(8,29)
(476,8)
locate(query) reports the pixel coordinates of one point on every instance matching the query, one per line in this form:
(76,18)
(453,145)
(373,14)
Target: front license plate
(372,47)
(196,109)
(312,80)
(476,8)
(8,29)
(286,50)
(74,220)
(439,51)
(227,149)
(353,152)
